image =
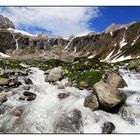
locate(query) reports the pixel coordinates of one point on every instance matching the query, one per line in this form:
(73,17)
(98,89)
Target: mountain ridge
(115,43)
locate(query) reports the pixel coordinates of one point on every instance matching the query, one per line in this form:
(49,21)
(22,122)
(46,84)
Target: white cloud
(58,20)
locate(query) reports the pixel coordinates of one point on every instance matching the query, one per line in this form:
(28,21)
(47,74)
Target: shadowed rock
(107,128)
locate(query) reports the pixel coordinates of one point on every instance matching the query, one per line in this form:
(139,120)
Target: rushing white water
(132,79)
(44,113)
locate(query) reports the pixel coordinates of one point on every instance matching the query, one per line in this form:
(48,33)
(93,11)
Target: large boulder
(91,102)
(4,81)
(115,80)
(6,23)
(55,74)
(108,96)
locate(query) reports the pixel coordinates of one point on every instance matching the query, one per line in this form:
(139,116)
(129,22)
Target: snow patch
(123,42)
(111,33)
(4,55)
(122,58)
(107,58)
(91,56)
(135,40)
(20,31)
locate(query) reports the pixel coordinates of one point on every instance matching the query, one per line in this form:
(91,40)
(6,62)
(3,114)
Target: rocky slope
(116,43)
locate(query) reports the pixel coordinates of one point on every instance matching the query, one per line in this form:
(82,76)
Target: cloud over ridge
(57,20)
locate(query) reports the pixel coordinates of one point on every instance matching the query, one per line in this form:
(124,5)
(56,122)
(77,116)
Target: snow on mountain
(20,31)
(2,55)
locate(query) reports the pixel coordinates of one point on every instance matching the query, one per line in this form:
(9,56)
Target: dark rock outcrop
(6,23)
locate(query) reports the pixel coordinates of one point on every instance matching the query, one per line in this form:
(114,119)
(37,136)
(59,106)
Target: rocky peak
(6,23)
(114,27)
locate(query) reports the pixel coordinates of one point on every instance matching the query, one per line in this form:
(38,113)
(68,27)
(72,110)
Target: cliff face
(116,43)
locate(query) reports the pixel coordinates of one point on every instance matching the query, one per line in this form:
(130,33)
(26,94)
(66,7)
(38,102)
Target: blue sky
(69,20)
(118,15)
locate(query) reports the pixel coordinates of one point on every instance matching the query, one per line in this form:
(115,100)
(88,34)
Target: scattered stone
(3,98)
(76,118)
(4,81)
(74,85)
(134,65)
(27,93)
(129,114)
(71,123)
(63,95)
(14,82)
(61,86)
(83,84)
(115,80)
(16,113)
(26,87)
(22,98)
(69,84)
(30,96)
(107,128)
(28,81)
(23,73)
(91,102)
(2,109)
(55,74)
(1,88)
(108,96)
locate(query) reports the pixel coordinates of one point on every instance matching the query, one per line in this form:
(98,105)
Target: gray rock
(63,95)
(55,74)
(28,81)
(4,81)
(91,102)
(115,80)
(108,96)
(30,96)
(129,114)
(3,98)
(71,123)
(107,128)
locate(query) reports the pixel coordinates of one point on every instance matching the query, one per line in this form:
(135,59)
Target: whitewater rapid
(42,114)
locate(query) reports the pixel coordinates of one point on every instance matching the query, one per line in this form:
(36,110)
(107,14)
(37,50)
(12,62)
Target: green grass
(90,77)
